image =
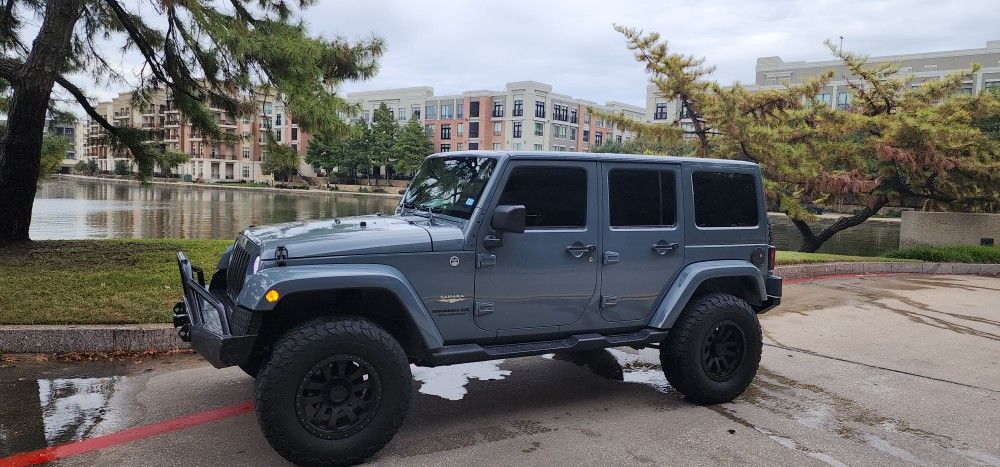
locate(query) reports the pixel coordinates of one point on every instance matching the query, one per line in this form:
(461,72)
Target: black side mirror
(509,218)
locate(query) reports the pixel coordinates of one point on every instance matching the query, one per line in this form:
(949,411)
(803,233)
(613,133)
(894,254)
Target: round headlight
(256,265)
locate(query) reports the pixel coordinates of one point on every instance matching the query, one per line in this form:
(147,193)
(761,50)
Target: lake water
(69,208)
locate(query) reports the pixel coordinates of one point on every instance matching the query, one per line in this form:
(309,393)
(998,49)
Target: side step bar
(464,353)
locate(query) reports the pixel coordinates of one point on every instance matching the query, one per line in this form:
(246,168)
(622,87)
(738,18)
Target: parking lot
(856,370)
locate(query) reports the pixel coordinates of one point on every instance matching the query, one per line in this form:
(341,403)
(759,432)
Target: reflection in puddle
(48,412)
(72,408)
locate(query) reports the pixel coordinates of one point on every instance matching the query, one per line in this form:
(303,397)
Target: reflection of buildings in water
(158,211)
(72,408)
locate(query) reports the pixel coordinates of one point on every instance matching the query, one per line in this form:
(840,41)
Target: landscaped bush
(949,254)
(378,190)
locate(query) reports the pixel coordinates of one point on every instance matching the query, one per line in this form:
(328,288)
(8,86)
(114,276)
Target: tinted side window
(552,196)
(642,198)
(724,199)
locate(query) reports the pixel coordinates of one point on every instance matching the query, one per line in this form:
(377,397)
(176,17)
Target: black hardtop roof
(594,156)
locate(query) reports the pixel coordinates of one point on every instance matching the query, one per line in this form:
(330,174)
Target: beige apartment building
(524,116)
(923,66)
(209,160)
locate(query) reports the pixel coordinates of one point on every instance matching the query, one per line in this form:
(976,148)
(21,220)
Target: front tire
(334,392)
(712,352)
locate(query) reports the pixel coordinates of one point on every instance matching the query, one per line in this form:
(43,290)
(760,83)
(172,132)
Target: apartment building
(923,66)
(209,160)
(525,115)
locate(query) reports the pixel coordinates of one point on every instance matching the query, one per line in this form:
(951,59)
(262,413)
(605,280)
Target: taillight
(772,255)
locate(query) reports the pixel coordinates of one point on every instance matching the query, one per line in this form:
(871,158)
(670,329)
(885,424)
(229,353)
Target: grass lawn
(135,281)
(786,258)
(96,281)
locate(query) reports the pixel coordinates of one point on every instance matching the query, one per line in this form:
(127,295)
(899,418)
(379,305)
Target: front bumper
(218,329)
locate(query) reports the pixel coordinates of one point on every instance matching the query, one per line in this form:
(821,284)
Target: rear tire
(712,352)
(333,392)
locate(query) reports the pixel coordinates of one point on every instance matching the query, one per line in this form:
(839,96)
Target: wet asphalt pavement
(880,370)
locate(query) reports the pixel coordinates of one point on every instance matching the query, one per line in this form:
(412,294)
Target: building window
(246,153)
(295,148)
(402,114)
(366,116)
(586,118)
(517,146)
(473,146)
(539,128)
(459,146)
(560,112)
(538,147)
(461,129)
(445,131)
(517,130)
(246,171)
(496,146)
(415,112)
(445,147)
(991,85)
(518,108)
(598,138)
(277,120)
(618,139)
(498,108)
(661,112)
(295,134)
(497,128)
(572,116)
(586,136)
(445,111)
(474,108)
(429,131)
(824,98)
(430,112)
(685,112)
(277,135)
(473,129)
(843,100)
(572,133)
(966,89)
(540,109)
(460,110)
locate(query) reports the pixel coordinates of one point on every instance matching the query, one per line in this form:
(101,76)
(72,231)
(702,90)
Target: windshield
(449,185)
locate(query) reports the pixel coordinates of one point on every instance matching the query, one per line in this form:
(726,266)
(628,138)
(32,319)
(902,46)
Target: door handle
(662,248)
(578,249)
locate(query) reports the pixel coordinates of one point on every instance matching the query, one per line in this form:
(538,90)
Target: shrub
(121,167)
(949,254)
(363,189)
(378,190)
(334,188)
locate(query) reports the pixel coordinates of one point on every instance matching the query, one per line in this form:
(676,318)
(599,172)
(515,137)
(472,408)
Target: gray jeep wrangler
(489,255)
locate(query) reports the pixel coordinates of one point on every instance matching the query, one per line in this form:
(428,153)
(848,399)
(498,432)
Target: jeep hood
(359,235)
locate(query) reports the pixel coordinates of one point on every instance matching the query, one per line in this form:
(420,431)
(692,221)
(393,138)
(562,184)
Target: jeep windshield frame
(449,185)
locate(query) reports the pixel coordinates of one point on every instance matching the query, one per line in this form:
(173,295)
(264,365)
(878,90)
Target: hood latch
(281,255)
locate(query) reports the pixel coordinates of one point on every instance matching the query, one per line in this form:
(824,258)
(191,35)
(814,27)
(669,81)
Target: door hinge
(484,308)
(608,301)
(611,257)
(485,260)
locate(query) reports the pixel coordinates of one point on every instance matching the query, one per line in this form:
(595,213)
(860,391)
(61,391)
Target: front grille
(237,271)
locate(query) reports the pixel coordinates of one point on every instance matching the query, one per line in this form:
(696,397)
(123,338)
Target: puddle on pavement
(38,413)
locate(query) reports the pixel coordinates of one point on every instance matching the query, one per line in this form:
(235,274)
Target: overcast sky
(455,45)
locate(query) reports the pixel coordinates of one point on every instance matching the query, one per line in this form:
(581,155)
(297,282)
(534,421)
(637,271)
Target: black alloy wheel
(338,396)
(722,351)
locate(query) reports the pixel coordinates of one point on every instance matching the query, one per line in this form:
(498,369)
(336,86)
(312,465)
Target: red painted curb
(125,436)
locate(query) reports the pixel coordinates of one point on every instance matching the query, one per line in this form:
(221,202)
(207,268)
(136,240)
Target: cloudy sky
(455,45)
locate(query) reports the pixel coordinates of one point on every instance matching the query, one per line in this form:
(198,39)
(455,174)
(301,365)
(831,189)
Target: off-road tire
(681,353)
(297,354)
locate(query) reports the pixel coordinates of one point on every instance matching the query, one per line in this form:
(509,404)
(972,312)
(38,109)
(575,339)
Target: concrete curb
(162,337)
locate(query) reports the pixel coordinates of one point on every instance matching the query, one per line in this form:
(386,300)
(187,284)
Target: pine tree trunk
(21,146)
(811,242)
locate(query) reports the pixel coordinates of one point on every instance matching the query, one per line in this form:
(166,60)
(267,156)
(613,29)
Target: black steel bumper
(772,285)
(218,329)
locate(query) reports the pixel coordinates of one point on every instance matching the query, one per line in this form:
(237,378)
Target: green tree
(279,160)
(171,160)
(411,147)
(895,139)
(54,150)
(205,54)
(384,131)
(346,154)
(122,167)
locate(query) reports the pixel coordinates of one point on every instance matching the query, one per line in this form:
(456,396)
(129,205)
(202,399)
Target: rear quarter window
(725,199)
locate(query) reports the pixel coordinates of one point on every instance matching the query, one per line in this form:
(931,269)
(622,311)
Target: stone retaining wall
(947,228)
